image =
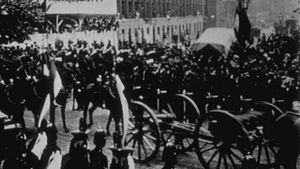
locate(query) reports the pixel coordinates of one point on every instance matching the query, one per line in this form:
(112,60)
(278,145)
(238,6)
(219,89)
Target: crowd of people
(19,19)
(267,71)
(41,150)
(97,24)
(100,24)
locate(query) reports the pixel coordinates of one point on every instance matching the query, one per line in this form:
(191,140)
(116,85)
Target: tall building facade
(161,20)
(220,13)
(267,12)
(160,8)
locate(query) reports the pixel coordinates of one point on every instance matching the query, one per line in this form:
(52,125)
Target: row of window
(165,30)
(148,9)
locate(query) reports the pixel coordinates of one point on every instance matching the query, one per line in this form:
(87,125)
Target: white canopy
(95,7)
(219,38)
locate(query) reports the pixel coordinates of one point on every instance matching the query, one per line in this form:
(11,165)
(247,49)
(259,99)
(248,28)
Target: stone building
(160,8)
(267,12)
(221,13)
(161,20)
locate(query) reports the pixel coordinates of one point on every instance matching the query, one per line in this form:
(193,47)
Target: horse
(12,99)
(27,91)
(95,85)
(97,94)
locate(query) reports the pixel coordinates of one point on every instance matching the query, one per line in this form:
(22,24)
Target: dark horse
(14,93)
(96,85)
(97,94)
(45,86)
(26,92)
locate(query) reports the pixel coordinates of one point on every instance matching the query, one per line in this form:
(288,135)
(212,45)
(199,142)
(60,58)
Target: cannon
(224,140)
(287,135)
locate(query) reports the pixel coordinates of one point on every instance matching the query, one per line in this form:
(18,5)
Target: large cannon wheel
(143,132)
(287,136)
(264,145)
(186,116)
(221,141)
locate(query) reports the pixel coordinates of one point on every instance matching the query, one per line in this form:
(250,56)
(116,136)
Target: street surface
(185,161)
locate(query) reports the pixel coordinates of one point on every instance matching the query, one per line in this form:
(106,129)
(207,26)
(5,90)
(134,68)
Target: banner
(57,85)
(125,108)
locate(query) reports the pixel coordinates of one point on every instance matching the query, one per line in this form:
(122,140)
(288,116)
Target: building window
(123,12)
(130,10)
(157,9)
(180,30)
(148,30)
(167,6)
(163,8)
(148,10)
(135,32)
(129,35)
(158,30)
(200,27)
(136,6)
(153,14)
(153,34)
(168,29)
(123,31)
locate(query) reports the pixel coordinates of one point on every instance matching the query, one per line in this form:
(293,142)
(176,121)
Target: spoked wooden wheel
(220,141)
(265,147)
(264,153)
(144,133)
(186,116)
(183,140)
(218,155)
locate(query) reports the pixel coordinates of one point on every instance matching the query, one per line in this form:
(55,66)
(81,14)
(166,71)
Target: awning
(219,39)
(95,7)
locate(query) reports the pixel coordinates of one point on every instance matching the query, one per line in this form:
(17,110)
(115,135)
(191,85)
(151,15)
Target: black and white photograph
(149,84)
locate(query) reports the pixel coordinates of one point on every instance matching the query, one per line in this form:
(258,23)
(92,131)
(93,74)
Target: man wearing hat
(98,160)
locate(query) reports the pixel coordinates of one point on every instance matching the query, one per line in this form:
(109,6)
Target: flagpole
(51,73)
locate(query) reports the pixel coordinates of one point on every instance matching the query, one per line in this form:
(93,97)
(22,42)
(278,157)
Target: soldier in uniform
(98,160)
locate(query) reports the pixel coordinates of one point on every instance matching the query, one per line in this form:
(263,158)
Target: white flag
(45,109)
(55,160)
(46,71)
(57,84)
(124,104)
